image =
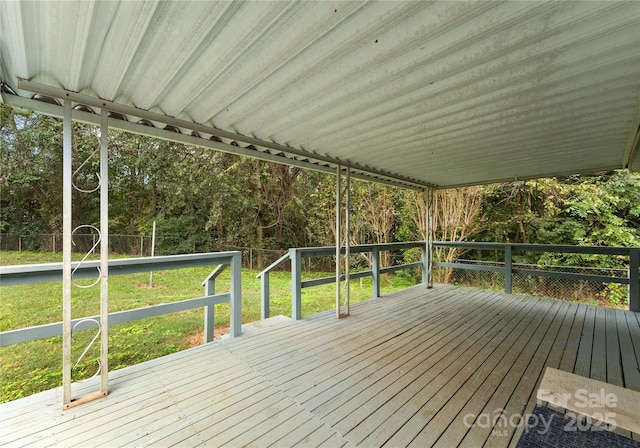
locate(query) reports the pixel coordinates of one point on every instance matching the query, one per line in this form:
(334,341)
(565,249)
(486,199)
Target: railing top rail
(358,248)
(522,247)
(215,273)
(49,272)
(534,265)
(274,265)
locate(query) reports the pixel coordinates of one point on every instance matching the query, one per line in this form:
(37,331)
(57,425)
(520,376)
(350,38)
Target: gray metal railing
(297,254)
(35,273)
(507,268)
(265,285)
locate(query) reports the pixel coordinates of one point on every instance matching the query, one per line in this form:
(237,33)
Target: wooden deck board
(500,399)
(570,351)
(338,378)
(583,358)
(630,367)
(457,425)
(424,399)
(520,399)
(391,376)
(402,370)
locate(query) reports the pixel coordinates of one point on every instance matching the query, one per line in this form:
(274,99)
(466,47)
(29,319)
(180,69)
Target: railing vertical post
(375,271)
(235,302)
(296,284)
(264,295)
(429,206)
(425,264)
(508,269)
(634,279)
(209,311)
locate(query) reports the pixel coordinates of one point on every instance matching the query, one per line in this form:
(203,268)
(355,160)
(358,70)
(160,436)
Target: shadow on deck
(414,368)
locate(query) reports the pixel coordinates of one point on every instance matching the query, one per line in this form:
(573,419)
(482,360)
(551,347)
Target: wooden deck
(410,369)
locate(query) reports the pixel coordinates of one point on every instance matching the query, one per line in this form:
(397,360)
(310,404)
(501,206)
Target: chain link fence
(133,245)
(139,245)
(577,290)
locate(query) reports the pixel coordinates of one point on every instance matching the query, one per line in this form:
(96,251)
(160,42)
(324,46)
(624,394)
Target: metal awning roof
(413,93)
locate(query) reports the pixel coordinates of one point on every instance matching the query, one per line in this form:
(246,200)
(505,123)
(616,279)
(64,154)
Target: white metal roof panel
(440,93)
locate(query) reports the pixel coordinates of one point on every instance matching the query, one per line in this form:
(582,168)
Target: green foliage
(204,200)
(580,210)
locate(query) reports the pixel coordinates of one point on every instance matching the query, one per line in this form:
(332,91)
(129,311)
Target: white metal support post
(103,272)
(429,238)
(104,252)
(66,253)
(338,242)
(347,247)
(339,313)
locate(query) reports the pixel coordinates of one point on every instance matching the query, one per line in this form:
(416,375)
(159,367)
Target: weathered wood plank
(493,387)
(517,344)
(572,344)
(554,359)
(600,401)
(348,386)
(403,369)
(430,372)
(497,398)
(125,398)
(365,333)
(311,328)
(316,438)
(583,359)
(599,351)
(630,367)
(354,393)
(332,365)
(633,323)
(523,397)
(288,433)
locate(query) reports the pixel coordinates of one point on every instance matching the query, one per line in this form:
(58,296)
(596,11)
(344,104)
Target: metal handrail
(51,272)
(264,285)
(273,265)
(296,255)
(25,274)
(525,247)
(508,269)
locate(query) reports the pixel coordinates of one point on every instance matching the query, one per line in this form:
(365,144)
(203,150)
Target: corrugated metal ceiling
(430,93)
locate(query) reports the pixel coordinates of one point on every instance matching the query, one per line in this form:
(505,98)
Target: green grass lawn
(36,366)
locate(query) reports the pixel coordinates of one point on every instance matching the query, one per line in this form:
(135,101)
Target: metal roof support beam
(137,128)
(91,101)
(631,159)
